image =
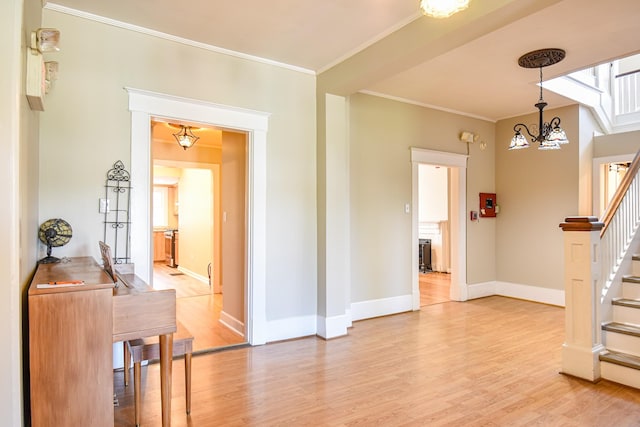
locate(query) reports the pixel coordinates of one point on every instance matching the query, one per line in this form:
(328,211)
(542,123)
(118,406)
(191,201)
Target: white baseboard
(232,323)
(291,327)
(336,326)
(381,307)
(196,276)
(332,327)
(480,290)
(515,290)
(296,327)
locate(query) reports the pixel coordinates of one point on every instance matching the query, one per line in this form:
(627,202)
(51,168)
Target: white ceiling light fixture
(185,137)
(41,74)
(442,8)
(45,40)
(549,134)
(469,137)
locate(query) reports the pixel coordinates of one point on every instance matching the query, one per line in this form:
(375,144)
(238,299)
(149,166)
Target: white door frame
(599,204)
(144,105)
(457,164)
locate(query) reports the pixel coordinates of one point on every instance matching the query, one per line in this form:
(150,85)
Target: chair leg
(187,381)
(137,379)
(127,363)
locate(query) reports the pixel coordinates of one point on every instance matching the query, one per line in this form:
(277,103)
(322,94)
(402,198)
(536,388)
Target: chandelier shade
(442,8)
(185,137)
(548,134)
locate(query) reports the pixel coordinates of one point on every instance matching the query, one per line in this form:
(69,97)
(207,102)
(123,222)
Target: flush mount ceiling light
(442,8)
(185,137)
(549,135)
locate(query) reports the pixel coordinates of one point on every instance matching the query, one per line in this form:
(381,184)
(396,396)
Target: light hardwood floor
(489,362)
(196,308)
(165,277)
(434,288)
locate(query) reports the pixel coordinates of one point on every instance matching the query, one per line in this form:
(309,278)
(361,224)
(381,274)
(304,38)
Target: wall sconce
(45,40)
(41,74)
(470,138)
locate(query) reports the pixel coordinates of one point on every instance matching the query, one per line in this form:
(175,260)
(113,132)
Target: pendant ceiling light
(549,134)
(442,8)
(185,137)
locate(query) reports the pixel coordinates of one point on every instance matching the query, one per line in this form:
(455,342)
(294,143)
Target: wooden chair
(149,349)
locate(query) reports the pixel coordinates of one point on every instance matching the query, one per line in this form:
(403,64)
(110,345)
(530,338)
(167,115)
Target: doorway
(143,106)
(456,165)
(188,250)
(608,172)
(433,234)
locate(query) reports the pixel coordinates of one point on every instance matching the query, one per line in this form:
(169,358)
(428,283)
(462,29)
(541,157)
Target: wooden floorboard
(165,277)
(197,308)
(434,287)
(489,362)
(200,315)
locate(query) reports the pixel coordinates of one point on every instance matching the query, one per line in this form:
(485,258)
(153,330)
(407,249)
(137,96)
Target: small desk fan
(54,233)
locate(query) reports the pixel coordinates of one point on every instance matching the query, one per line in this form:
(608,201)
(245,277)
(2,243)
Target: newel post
(582,344)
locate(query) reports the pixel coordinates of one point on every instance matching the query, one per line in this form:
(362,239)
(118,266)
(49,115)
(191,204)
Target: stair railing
(593,252)
(627,91)
(621,220)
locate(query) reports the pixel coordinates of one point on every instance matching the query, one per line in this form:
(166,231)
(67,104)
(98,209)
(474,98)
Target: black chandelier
(550,135)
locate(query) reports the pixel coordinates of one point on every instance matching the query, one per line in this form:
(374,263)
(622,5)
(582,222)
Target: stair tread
(631,279)
(622,328)
(636,257)
(622,359)
(626,302)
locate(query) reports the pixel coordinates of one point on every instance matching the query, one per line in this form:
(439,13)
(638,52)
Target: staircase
(602,340)
(621,360)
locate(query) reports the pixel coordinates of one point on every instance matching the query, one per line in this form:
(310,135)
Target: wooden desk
(139,311)
(71,333)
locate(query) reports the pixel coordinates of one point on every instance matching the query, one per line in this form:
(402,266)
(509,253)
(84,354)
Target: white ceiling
(466,63)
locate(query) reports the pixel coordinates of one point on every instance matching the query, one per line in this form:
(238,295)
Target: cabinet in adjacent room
(158,246)
(176,245)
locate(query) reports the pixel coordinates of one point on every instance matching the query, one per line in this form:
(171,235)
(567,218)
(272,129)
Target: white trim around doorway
(457,165)
(143,106)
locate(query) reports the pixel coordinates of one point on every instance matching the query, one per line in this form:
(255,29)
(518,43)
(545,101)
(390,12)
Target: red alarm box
(488,204)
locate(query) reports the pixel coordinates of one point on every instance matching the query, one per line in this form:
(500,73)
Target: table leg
(187,380)
(166,363)
(137,379)
(127,362)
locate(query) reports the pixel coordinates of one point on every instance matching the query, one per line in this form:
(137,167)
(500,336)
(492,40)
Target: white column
(334,289)
(582,344)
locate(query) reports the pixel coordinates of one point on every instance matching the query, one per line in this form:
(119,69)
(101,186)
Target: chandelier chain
(541,100)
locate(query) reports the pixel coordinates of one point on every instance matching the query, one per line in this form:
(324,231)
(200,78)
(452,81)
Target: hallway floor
(196,308)
(434,288)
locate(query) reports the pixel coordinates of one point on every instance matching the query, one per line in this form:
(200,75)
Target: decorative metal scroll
(117,230)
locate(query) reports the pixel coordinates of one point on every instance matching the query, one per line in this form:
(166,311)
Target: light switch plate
(104,206)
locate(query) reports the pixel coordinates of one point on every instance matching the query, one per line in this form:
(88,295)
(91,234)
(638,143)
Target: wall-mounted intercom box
(488,204)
